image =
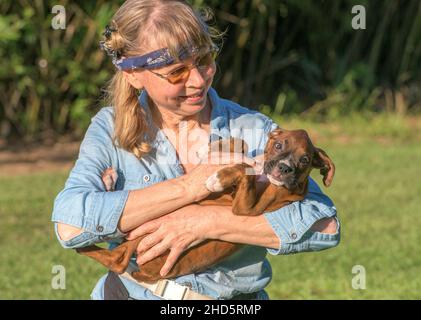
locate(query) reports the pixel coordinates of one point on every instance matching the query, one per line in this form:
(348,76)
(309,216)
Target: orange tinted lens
(182,73)
(178,75)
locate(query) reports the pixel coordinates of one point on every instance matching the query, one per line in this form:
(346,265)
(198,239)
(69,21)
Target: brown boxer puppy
(289,158)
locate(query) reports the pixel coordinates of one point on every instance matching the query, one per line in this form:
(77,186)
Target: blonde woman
(163,109)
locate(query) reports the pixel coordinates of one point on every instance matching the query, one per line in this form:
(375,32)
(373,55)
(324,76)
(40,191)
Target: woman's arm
(83,212)
(256,230)
(192,224)
(143,205)
(152,202)
(293,223)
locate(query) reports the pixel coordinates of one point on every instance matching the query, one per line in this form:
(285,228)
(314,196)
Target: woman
(163,110)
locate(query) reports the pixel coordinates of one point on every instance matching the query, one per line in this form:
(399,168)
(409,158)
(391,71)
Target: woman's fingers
(171,260)
(145,228)
(148,242)
(152,253)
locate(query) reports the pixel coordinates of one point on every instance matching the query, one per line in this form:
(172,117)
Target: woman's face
(175,97)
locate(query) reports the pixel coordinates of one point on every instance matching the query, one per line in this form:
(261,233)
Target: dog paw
(213,183)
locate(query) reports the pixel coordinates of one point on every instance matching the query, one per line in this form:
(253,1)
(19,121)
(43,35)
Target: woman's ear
(135,78)
(327,169)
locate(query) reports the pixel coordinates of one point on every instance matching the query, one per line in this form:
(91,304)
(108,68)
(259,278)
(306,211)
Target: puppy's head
(290,156)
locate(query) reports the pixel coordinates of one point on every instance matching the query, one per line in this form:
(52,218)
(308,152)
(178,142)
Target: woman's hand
(177,232)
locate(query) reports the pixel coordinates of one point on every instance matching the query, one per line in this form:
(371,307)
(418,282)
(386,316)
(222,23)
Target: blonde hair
(173,23)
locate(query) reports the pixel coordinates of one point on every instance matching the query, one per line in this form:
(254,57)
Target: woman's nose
(196,78)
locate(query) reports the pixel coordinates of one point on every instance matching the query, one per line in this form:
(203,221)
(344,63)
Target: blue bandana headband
(155,59)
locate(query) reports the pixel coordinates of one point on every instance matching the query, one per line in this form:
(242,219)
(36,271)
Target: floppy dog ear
(327,169)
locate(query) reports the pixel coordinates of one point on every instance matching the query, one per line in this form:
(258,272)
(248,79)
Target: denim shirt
(84,202)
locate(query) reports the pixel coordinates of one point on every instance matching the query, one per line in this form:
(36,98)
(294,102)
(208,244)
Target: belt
(169,289)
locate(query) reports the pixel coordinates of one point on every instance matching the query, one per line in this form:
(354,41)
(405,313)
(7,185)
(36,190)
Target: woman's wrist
(182,189)
(185,190)
(219,217)
(253,230)
(206,223)
(191,191)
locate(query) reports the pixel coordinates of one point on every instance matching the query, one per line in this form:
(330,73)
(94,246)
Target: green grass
(376,190)
(377,195)
(29,248)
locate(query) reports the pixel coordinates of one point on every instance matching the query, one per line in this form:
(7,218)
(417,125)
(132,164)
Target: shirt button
(146,178)
(99,228)
(293,236)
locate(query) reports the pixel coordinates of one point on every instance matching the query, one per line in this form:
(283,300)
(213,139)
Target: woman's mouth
(194,98)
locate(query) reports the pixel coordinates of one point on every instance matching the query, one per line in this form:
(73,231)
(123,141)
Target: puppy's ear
(327,169)
(275,132)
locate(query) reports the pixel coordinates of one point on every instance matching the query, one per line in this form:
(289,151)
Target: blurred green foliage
(282,56)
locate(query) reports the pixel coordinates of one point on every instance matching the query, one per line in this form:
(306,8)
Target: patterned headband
(156,59)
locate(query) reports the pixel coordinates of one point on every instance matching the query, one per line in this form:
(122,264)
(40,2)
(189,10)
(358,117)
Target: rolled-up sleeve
(292,223)
(84,202)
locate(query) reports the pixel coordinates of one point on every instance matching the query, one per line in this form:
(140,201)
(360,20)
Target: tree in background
(282,56)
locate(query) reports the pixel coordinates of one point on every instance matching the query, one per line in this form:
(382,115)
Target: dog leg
(149,272)
(227,177)
(243,178)
(250,202)
(246,200)
(115,260)
(195,259)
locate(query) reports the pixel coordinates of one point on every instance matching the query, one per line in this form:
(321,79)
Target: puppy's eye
(278,146)
(304,160)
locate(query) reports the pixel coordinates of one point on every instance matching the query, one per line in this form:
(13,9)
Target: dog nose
(285,169)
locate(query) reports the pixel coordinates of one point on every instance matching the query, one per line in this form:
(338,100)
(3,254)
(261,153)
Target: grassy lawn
(376,190)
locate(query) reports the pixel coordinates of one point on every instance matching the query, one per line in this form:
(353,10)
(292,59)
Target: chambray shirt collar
(219,123)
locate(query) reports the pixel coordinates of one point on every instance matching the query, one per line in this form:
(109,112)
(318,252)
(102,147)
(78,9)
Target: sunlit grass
(377,194)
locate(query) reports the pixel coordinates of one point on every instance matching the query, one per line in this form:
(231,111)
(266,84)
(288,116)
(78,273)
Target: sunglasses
(202,63)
